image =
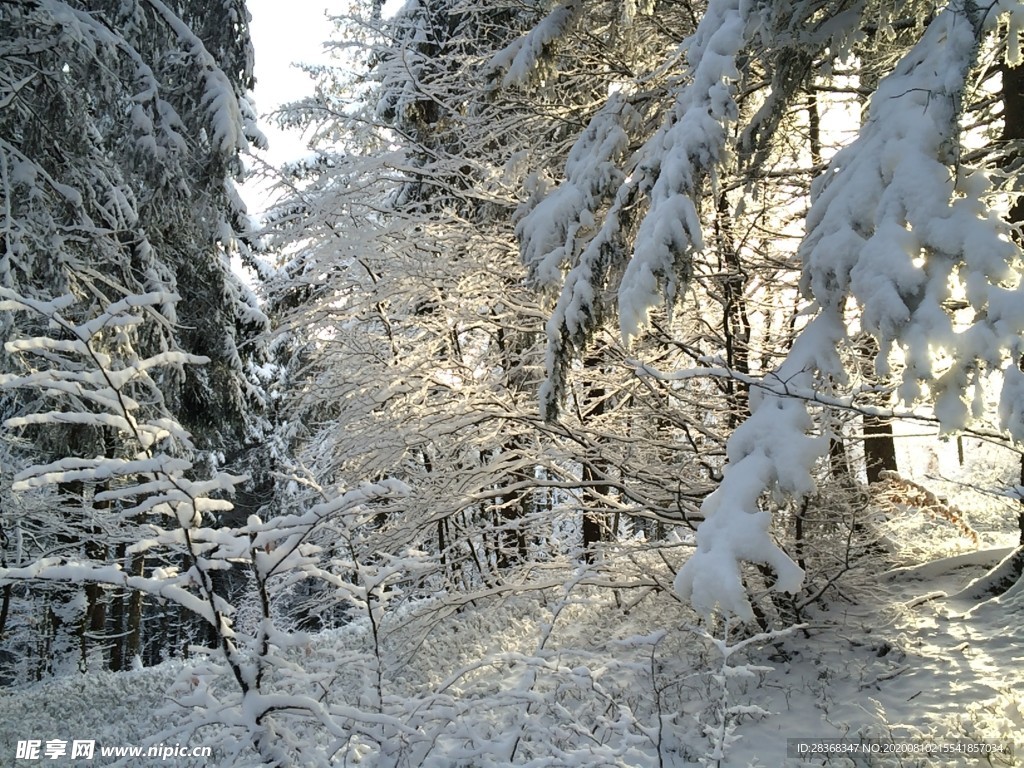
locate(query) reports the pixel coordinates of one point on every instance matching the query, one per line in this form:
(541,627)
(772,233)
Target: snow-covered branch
(897,225)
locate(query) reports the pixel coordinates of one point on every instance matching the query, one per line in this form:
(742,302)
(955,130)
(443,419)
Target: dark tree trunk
(879,448)
(514,502)
(94,623)
(1013,131)
(118,614)
(594,473)
(592,519)
(735,320)
(1020,514)
(5,601)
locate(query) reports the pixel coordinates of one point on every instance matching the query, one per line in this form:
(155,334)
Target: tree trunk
(118,612)
(95,620)
(735,321)
(513,507)
(592,519)
(5,601)
(595,489)
(879,448)
(1013,131)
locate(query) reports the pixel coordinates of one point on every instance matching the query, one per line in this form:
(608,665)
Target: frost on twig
(724,713)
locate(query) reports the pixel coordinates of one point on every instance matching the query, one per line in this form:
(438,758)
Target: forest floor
(917,670)
(910,660)
(895,656)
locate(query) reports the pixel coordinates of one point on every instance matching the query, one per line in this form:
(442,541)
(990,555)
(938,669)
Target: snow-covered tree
(130,183)
(405,304)
(900,227)
(125,188)
(412,338)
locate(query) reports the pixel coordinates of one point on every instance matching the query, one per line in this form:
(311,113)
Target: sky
(284,33)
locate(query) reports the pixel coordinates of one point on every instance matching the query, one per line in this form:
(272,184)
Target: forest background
(608,314)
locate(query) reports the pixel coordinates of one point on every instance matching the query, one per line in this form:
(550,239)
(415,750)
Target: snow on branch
(895,223)
(230,117)
(88,373)
(772,450)
(548,232)
(898,224)
(101,379)
(158,127)
(521,57)
(58,569)
(670,170)
(680,158)
(145,471)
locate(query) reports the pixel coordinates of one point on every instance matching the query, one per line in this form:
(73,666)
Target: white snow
(558,675)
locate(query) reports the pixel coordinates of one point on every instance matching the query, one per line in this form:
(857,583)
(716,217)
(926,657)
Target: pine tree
(126,188)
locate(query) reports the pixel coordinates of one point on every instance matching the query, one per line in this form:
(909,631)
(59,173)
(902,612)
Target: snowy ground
(911,659)
(912,667)
(579,674)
